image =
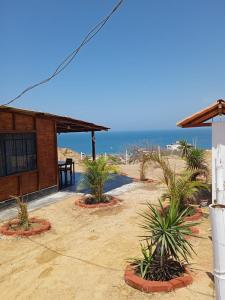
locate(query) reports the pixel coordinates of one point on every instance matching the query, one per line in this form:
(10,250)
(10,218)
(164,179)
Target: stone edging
(148,286)
(44,226)
(80,202)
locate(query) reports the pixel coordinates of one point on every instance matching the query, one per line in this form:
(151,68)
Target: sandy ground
(84,255)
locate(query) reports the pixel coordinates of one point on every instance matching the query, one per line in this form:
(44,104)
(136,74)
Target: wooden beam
(198,125)
(93,144)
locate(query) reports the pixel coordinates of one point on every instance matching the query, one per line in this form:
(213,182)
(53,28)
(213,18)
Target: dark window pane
(17,153)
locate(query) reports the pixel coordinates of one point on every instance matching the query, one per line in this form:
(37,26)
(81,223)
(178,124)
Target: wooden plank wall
(46,174)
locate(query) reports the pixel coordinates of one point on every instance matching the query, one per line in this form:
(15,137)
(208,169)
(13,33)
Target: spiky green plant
(196,159)
(97,173)
(167,246)
(196,162)
(185,148)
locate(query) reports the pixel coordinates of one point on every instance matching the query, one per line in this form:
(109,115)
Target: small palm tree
(180,189)
(183,189)
(141,156)
(185,148)
(97,172)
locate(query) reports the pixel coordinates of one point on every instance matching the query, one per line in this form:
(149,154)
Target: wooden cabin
(28,150)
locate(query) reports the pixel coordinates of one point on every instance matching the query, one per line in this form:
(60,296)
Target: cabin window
(17,153)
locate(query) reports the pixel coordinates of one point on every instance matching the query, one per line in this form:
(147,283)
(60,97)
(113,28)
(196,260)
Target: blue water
(118,142)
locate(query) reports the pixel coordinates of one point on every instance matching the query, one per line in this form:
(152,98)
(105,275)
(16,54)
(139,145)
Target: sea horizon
(116,142)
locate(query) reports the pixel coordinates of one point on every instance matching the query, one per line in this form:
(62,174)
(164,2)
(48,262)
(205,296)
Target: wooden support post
(93,144)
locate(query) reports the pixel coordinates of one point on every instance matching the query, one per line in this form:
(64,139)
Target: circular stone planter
(43,226)
(81,202)
(197,216)
(148,286)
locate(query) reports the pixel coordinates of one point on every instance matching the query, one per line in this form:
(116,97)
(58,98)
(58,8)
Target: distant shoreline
(113,142)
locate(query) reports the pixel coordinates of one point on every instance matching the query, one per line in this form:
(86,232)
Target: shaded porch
(67,177)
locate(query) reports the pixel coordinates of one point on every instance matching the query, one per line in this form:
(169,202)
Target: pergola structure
(63,124)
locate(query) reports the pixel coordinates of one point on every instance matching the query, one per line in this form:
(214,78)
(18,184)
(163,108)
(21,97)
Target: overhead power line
(71,56)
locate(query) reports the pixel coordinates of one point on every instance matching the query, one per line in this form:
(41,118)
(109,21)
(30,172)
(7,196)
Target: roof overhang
(63,123)
(200,118)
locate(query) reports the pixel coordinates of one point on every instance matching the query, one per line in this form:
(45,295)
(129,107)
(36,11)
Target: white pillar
(218,159)
(217,214)
(220,183)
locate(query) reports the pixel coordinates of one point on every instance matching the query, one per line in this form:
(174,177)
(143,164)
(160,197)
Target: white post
(219,177)
(217,214)
(159,151)
(105,155)
(219,184)
(81,156)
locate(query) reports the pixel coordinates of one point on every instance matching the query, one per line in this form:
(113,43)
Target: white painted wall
(218,161)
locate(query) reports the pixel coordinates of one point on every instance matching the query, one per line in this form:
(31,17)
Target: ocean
(116,142)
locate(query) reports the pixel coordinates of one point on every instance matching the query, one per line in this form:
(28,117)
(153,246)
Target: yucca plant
(195,159)
(97,173)
(167,248)
(196,162)
(185,148)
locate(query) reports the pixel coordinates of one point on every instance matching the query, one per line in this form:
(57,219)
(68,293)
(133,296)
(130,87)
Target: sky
(154,63)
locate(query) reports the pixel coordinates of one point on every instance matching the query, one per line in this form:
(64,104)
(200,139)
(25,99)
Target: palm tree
(180,188)
(97,173)
(141,156)
(185,148)
(183,189)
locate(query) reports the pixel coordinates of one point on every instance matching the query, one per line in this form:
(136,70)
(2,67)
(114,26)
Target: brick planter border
(194,230)
(148,286)
(80,202)
(44,226)
(197,216)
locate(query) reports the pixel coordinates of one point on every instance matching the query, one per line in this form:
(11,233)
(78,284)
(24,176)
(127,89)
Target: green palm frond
(97,173)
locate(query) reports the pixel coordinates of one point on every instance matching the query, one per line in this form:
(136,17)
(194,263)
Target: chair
(70,167)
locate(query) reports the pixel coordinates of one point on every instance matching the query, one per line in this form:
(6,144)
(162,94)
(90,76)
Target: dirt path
(83,256)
